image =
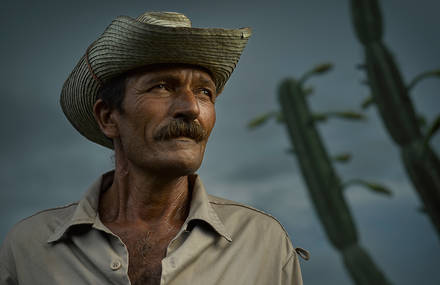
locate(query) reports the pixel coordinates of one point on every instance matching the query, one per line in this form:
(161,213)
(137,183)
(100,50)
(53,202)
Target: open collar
(202,210)
(86,211)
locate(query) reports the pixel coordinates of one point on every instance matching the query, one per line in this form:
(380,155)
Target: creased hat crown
(165,19)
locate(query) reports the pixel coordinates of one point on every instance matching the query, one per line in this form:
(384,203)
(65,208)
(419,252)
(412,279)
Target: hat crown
(166,19)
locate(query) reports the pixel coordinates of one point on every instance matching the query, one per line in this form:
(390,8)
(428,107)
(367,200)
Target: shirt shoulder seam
(48,210)
(231,203)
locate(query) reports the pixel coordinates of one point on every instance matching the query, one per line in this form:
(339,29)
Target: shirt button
(115,265)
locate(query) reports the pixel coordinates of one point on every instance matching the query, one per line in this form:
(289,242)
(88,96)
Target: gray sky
(45,163)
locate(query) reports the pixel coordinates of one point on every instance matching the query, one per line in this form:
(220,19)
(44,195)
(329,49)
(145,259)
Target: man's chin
(182,167)
(185,160)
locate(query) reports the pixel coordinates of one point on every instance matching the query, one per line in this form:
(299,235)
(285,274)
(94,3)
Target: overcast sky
(46,163)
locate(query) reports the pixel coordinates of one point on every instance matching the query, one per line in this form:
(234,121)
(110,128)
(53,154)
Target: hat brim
(128,44)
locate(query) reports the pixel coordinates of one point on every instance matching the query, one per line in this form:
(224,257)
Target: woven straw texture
(152,38)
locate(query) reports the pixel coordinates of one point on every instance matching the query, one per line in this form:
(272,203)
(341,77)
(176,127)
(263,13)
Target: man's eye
(206,92)
(158,87)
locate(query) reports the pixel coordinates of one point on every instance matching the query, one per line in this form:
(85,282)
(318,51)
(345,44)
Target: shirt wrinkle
(10,275)
(289,257)
(232,203)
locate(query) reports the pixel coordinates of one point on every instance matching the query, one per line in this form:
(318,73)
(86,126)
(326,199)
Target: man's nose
(186,105)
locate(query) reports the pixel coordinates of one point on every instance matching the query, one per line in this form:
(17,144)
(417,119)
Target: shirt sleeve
(7,264)
(291,271)
(6,278)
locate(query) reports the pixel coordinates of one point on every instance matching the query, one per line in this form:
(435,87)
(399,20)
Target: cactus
(391,96)
(325,186)
(323,183)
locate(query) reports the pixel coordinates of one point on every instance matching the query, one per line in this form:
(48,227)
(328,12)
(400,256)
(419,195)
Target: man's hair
(113,91)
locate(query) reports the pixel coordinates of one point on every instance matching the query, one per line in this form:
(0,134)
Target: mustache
(181,128)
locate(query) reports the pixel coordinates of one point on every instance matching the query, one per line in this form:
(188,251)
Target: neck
(137,196)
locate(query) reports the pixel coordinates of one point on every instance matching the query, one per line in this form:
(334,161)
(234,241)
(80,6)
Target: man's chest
(146,251)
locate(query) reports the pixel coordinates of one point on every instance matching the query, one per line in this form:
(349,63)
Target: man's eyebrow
(209,82)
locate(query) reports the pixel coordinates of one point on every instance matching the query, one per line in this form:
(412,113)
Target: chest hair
(146,251)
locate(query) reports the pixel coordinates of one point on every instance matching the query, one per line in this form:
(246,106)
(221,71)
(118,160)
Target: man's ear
(105,117)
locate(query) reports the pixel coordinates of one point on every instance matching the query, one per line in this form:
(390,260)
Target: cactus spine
(390,94)
(324,185)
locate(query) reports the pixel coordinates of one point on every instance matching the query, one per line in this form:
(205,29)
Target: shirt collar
(86,211)
(201,209)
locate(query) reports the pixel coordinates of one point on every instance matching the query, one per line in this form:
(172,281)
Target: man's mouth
(183,138)
(182,131)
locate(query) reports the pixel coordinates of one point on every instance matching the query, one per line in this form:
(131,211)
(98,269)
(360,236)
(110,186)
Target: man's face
(158,102)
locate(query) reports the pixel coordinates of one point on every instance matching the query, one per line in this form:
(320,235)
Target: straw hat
(152,38)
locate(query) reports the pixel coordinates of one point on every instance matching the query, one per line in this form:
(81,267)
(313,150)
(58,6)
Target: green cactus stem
(390,95)
(324,185)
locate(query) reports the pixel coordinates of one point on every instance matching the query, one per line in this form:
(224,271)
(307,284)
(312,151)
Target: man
(146,88)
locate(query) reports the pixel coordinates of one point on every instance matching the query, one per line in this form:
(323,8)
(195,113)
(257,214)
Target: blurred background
(46,163)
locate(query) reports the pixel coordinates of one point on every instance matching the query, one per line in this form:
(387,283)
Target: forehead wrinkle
(163,68)
(156,77)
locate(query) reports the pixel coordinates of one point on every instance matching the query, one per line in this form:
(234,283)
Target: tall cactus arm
(391,95)
(395,107)
(324,185)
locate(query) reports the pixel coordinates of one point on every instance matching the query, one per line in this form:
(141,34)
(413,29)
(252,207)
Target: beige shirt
(221,242)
